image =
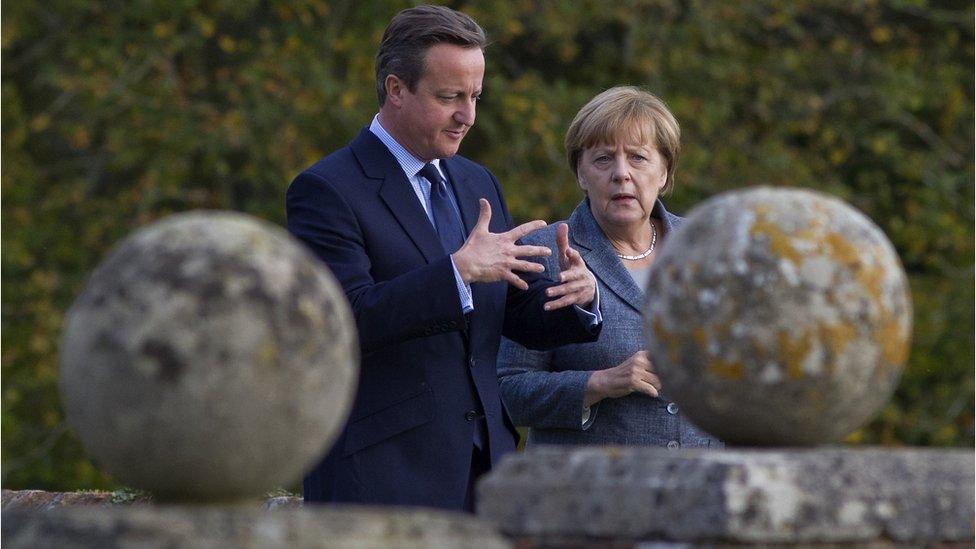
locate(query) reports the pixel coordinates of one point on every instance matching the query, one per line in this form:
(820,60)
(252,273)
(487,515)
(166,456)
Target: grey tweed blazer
(544,389)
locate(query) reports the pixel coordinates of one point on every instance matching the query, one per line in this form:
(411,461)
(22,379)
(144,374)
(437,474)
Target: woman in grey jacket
(623,147)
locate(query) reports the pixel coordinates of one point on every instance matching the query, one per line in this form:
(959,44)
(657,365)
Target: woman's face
(622,181)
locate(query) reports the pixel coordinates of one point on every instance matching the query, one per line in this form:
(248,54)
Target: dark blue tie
(451,232)
(446,219)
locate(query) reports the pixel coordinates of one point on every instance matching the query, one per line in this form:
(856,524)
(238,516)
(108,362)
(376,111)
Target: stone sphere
(778,317)
(211,357)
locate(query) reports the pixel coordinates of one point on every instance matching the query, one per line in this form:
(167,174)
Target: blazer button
(673,444)
(471,362)
(470,415)
(672,408)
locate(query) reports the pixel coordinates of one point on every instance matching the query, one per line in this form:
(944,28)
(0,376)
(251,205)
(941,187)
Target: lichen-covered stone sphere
(778,317)
(211,357)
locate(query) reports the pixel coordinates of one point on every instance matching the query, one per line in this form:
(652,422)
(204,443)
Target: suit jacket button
(673,444)
(672,408)
(471,362)
(470,415)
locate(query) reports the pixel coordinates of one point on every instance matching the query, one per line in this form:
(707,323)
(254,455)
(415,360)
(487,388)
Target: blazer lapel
(601,258)
(464,192)
(395,191)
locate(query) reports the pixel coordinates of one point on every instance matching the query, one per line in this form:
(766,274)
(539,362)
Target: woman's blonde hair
(620,113)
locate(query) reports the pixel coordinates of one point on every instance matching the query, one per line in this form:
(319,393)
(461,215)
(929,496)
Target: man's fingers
(484,216)
(527,266)
(526,228)
(514,280)
(531,251)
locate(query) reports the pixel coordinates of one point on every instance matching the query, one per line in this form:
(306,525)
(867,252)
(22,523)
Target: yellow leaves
(513,27)
(880,145)
(80,138)
(40,122)
(235,126)
(227,44)
(837,156)
(348,99)
(162,30)
(205,25)
(881,34)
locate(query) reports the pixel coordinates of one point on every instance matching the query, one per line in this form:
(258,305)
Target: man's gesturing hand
(490,257)
(578,285)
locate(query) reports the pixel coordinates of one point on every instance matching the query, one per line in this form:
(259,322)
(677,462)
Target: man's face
(431,121)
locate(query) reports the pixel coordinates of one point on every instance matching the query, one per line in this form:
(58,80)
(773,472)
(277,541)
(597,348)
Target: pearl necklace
(644,254)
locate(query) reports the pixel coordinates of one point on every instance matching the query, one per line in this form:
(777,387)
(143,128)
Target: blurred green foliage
(115,114)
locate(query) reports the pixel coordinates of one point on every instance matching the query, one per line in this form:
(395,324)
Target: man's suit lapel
(396,192)
(465,193)
(600,257)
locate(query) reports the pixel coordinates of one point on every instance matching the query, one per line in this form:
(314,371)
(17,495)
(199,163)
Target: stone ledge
(833,495)
(236,526)
(42,500)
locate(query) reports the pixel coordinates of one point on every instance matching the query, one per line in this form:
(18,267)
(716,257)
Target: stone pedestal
(778,317)
(210,357)
(561,496)
(230,526)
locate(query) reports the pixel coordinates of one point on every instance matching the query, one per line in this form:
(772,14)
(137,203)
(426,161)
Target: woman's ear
(581,182)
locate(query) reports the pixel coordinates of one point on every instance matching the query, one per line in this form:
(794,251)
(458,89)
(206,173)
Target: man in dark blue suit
(421,241)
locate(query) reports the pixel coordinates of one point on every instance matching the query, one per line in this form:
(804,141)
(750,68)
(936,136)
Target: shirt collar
(409,163)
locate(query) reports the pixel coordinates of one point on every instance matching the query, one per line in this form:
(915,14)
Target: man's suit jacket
(427,369)
(544,389)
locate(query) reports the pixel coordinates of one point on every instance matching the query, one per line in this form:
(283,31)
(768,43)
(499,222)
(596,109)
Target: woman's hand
(636,374)
(577,284)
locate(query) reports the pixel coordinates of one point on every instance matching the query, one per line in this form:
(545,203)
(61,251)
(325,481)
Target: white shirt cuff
(464,291)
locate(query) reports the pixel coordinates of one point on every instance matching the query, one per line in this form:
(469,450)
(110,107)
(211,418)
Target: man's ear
(395,87)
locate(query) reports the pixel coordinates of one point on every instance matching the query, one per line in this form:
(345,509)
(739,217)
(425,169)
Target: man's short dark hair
(411,33)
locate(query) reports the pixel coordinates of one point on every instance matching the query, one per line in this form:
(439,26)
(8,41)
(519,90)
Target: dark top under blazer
(544,389)
(424,366)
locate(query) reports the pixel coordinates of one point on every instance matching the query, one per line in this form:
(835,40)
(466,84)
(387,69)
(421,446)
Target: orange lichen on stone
(727,369)
(665,336)
(794,352)
(870,276)
(781,242)
(836,337)
(893,343)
